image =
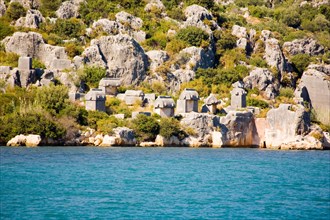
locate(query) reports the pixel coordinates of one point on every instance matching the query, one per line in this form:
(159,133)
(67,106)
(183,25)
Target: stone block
(60,64)
(25,63)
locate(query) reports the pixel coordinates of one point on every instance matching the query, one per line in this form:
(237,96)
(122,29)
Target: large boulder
(315,88)
(264,80)
(2,8)
(125,136)
(30,140)
(202,124)
(68,9)
(122,55)
(274,56)
(157,58)
(129,20)
(109,27)
(238,129)
(32,19)
(32,45)
(286,124)
(196,16)
(307,46)
(239,32)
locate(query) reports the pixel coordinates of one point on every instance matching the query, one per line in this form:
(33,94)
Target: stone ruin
(238,98)
(133,96)
(95,100)
(110,85)
(164,106)
(25,73)
(210,104)
(188,101)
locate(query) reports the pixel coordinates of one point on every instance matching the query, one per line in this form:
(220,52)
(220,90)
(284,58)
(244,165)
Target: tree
(169,127)
(193,36)
(15,11)
(145,127)
(92,75)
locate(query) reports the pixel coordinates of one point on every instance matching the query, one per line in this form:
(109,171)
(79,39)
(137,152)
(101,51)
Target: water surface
(163,183)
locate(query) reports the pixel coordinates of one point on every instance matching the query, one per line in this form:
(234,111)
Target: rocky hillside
(275,49)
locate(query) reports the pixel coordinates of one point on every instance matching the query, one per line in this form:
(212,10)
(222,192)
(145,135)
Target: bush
(95,9)
(287,92)
(52,98)
(72,49)
(92,75)
(300,62)
(106,125)
(48,7)
(291,18)
(225,41)
(38,64)
(94,116)
(145,127)
(5,29)
(71,28)
(15,11)
(175,45)
(257,103)
(169,127)
(192,36)
(8,59)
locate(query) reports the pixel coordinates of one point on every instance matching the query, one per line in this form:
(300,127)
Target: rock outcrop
(196,16)
(307,46)
(32,45)
(122,56)
(274,56)
(155,5)
(286,125)
(315,88)
(126,136)
(32,19)
(28,3)
(2,8)
(68,9)
(30,140)
(157,57)
(264,80)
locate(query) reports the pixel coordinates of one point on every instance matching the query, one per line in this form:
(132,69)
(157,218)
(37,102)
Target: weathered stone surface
(22,140)
(307,46)
(195,17)
(68,9)
(264,80)
(109,141)
(238,129)
(157,57)
(239,32)
(126,135)
(315,88)
(274,56)
(172,141)
(33,19)
(202,124)
(155,5)
(2,8)
(122,55)
(286,123)
(128,19)
(32,45)
(28,3)
(60,64)
(198,58)
(109,27)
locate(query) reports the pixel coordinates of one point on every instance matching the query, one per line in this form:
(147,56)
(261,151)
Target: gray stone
(33,19)
(157,57)
(155,5)
(188,101)
(5,70)
(149,98)
(68,10)
(210,104)
(95,100)
(274,56)
(164,106)
(28,3)
(238,98)
(109,85)
(239,32)
(60,64)
(307,46)
(109,27)
(133,97)
(25,63)
(126,135)
(2,8)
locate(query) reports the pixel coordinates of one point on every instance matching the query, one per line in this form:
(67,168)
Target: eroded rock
(307,46)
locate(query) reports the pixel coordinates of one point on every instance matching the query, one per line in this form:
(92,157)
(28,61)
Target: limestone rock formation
(109,27)
(157,57)
(121,54)
(22,140)
(264,80)
(32,45)
(239,32)
(32,19)
(126,136)
(286,124)
(274,56)
(202,124)
(2,8)
(307,46)
(172,141)
(315,88)
(68,9)
(195,17)
(28,3)
(155,5)
(109,141)
(238,129)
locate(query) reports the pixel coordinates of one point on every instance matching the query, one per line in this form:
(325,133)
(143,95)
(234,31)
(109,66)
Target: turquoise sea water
(163,183)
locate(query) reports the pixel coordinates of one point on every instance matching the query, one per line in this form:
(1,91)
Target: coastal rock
(307,46)
(22,140)
(315,79)
(32,45)
(68,9)
(192,142)
(157,57)
(122,55)
(126,136)
(33,19)
(109,141)
(2,8)
(285,125)
(264,80)
(32,140)
(148,144)
(196,16)
(238,129)
(202,125)
(172,141)
(274,56)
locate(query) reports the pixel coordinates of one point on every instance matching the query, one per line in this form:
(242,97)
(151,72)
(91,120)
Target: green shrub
(257,103)
(175,45)
(69,28)
(5,29)
(116,106)
(192,36)
(95,116)
(300,62)
(52,98)
(145,127)
(8,59)
(259,11)
(169,127)
(225,41)
(287,92)
(106,125)
(38,64)
(48,7)
(15,11)
(92,75)
(291,18)
(94,9)
(72,49)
